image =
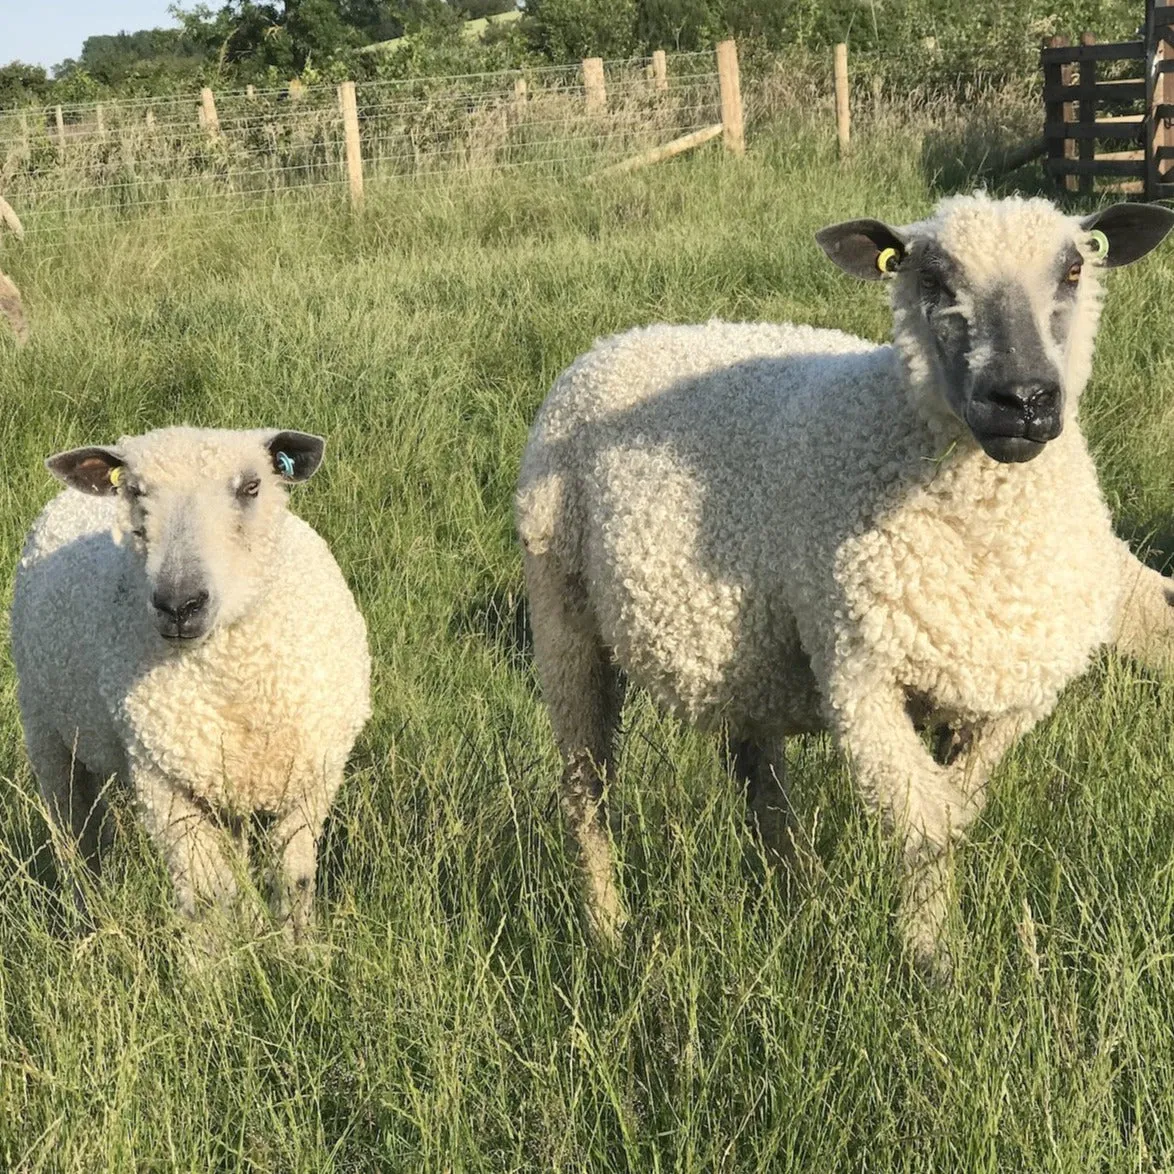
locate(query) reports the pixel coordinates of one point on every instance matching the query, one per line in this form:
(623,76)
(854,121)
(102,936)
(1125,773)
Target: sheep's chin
(1011,450)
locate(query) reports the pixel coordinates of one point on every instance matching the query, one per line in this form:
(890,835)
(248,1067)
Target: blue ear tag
(285,464)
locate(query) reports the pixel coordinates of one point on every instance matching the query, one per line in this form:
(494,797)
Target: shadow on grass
(989,156)
(499,616)
(1150,539)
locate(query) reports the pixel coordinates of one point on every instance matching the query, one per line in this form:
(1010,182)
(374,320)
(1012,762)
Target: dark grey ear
(1132,230)
(856,246)
(87,469)
(296,455)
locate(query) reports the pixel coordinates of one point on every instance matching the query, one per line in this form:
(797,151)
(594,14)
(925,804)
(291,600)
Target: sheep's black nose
(1037,399)
(181,606)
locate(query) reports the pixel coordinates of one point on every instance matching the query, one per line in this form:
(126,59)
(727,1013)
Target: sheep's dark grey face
(999,346)
(995,311)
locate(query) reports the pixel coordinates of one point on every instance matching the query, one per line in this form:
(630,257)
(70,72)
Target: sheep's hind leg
(768,806)
(584,696)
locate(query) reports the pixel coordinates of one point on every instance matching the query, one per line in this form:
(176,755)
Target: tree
(569,30)
(22,85)
(111,59)
(476,9)
(684,25)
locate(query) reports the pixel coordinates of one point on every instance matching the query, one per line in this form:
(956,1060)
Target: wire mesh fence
(72,164)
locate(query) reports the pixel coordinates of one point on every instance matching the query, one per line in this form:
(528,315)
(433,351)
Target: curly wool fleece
(744,504)
(784,529)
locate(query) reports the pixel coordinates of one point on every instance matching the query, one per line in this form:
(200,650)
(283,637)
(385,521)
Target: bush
(569,30)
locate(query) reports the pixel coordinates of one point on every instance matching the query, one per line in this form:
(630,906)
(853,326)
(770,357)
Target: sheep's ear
(868,249)
(296,455)
(88,469)
(1132,230)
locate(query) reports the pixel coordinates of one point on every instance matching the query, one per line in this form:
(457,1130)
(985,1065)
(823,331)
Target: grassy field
(452,1016)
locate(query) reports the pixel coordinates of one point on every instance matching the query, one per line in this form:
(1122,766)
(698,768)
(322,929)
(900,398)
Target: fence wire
(72,164)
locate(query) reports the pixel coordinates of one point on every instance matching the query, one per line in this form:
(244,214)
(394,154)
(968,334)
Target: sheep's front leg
(1145,623)
(197,851)
(295,841)
(918,800)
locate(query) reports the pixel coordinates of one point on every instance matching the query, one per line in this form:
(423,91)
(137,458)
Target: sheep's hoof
(925,944)
(298,931)
(934,962)
(204,943)
(606,919)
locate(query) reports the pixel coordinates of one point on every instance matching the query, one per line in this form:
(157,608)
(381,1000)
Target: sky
(45,32)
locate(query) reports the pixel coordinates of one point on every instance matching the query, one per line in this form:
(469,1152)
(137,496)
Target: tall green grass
(451,1015)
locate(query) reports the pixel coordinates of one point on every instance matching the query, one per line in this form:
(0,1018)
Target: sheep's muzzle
(1013,422)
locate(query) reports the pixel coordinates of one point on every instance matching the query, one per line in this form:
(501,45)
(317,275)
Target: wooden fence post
(594,85)
(660,70)
(843,109)
(1071,182)
(1087,148)
(1056,112)
(60,119)
(250,92)
(295,89)
(733,131)
(354,153)
(208,107)
(150,118)
(1161,132)
(101,118)
(1053,110)
(520,89)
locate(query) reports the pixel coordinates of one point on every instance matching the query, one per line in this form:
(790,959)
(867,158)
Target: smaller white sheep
(174,625)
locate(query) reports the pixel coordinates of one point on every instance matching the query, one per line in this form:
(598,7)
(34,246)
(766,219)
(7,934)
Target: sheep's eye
(1073,274)
(932,286)
(250,488)
(140,532)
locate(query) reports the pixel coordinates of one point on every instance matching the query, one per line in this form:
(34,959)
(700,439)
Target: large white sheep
(780,529)
(173,624)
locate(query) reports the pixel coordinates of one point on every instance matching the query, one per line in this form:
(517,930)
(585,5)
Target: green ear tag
(1100,243)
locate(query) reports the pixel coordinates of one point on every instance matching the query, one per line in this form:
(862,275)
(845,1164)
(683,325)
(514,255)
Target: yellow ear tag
(887,259)
(1100,243)
(116,475)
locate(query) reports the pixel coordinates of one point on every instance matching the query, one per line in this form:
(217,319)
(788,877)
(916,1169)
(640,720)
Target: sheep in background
(782,530)
(10,304)
(175,625)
